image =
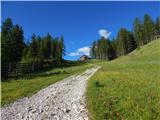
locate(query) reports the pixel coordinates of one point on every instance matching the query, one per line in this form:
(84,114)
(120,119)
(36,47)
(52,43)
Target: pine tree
(33,48)
(138,32)
(62,47)
(122,42)
(93,49)
(126,42)
(7,25)
(101,49)
(40,48)
(18,44)
(53,49)
(47,46)
(131,43)
(104,47)
(157,26)
(149,28)
(112,49)
(57,49)
(12,43)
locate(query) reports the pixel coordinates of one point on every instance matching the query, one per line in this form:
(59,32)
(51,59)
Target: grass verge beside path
(127,88)
(15,89)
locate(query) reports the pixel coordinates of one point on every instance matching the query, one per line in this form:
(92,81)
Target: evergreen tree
(57,49)
(47,46)
(33,48)
(53,49)
(18,44)
(93,49)
(126,42)
(62,47)
(131,43)
(101,49)
(40,48)
(122,42)
(138,32)
(112,49)
(157,26)
(149,28)
(12,42)
(104,48)
(7,25)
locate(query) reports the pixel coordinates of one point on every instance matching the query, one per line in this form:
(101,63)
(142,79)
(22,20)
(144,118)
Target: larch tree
(157,26)
(12,42)
(138,32)
(149,28)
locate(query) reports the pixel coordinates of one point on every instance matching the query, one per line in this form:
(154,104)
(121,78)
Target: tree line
(126,41)
(43,48)
(14,49)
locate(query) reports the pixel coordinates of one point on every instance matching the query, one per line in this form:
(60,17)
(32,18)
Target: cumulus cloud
(81,51)
(104,33)
(84,50)
(74,54)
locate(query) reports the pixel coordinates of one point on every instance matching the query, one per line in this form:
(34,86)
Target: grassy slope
(128,87)
(15,89)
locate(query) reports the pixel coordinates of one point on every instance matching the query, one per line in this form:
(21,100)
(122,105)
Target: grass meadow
(127,88)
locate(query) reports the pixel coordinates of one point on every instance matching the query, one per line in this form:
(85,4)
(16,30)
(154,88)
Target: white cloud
(81,51)
(84,50)
(104,33)
(74,54)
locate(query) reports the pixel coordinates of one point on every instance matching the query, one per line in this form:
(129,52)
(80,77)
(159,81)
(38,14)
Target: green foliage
(108,50)
(102,49)
(47,45)
(126,41)
(97,83)
(93,50)
(131,86)
(37,49)
(44,48)
(157,26)
(138,32)
(12,44)
(62,47)
(33,48)
(149,28)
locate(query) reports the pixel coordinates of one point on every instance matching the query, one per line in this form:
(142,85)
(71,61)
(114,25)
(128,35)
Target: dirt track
(63,100)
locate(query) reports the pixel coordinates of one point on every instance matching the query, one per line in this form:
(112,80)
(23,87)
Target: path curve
(63,100)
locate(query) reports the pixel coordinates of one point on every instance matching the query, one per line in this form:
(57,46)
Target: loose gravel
(63,100)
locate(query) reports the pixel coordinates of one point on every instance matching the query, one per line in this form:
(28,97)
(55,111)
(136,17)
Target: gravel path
(63,100)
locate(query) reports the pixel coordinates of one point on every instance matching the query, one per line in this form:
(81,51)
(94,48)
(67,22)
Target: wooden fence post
(33,66)
(9,71)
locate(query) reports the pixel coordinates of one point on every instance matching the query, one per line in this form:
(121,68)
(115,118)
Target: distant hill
(127,87)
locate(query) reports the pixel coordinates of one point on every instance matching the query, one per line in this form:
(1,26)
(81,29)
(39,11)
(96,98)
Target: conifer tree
(157,26)
(12,42)
(149,28)
(62,47)
(138,32)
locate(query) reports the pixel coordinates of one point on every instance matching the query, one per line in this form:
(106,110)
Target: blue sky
(79,22)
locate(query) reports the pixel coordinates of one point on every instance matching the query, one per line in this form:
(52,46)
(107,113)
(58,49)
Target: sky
(79,22)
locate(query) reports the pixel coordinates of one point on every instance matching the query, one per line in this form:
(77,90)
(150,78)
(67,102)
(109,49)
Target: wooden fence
(17,69)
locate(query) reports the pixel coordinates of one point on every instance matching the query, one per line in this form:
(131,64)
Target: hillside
(127,87)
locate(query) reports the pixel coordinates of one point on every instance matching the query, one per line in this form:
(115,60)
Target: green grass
(15,89)
(127,88)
